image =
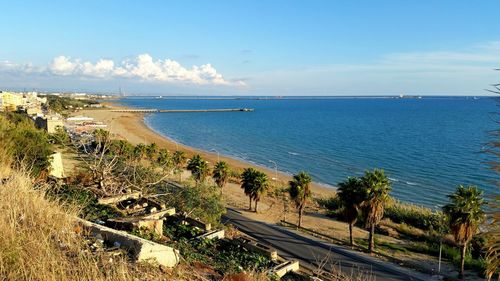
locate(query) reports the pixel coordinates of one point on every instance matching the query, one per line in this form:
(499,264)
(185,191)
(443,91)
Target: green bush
(86,200)
(29,147)
(332,203)
(200,201)
(419,217)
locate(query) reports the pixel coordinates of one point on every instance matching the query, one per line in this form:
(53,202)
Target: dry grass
(38,241)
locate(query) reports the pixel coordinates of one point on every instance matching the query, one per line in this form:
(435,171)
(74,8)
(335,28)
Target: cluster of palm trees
(255,184)
(200,170)
(366,196)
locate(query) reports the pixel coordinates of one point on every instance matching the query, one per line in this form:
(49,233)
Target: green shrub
(28,146)
(416,216)
(332,203)
(200,201)
(86,200)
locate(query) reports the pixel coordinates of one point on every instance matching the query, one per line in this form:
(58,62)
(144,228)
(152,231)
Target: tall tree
(492,233)
(255,184)
(221,174)
(464,213)
(247,182)
(164,160)
(261,186)
(350,194)
(139,151)
(178,160)
(199,168)
(376,187)
(300,192)
(151,151)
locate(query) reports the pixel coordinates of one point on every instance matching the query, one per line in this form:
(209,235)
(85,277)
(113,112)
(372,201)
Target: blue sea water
(427,146)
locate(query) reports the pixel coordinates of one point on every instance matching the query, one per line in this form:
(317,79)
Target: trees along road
(315,253)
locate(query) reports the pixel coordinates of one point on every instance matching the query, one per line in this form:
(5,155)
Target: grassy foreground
(39,241)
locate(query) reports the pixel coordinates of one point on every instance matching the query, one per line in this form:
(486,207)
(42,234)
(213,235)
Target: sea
(427,146)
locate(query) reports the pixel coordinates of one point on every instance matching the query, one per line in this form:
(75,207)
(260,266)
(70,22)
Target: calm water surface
(427,146)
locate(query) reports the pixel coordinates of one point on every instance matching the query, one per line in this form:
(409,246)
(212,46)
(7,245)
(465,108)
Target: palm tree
(260,187)
(464,213)
(164,159)
(300,192)
(350,193)
(151,151)
(255,184)
(221,174)
(198,167)
(178,160)
(139,151)
(376,187)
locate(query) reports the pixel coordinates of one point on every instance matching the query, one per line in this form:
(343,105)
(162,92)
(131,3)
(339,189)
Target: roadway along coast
(315,253)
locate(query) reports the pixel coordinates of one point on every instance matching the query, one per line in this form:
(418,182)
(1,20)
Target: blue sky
(251,47)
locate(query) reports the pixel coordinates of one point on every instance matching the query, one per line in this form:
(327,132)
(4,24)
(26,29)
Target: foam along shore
(130,126)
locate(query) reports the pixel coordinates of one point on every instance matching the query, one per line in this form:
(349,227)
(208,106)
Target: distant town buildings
(10,101)
(30,102)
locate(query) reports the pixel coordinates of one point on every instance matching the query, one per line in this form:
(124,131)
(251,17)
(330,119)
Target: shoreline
(134,128)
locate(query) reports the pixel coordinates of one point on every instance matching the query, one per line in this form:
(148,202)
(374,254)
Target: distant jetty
(152,110)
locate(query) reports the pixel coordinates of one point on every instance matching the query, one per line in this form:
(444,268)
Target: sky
(276,47)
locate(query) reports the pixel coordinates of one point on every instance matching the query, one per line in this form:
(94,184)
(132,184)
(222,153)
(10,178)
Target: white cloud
(142,67)
(63,66)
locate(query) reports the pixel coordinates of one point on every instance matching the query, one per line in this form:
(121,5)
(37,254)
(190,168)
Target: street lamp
(213,149)
(275,170)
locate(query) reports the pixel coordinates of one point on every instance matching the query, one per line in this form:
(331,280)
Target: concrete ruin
(197,223)
(140,249)
(253,245)
(283,268)
(215,234)
(56,168)
(137,223)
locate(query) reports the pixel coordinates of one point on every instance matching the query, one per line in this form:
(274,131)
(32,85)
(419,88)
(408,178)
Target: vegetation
(255,184)
(464,213)
(178,161)
(84,201)
(376,188)
(221,174)
(151,151)
(200,201)
(416,216)
(164,160)
(39,241)
(24,145)
(350,194)
(492,233)
(63,105)
(199,168)
(300,192)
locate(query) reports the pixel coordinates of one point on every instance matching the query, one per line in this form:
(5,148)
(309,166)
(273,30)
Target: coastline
(133,128)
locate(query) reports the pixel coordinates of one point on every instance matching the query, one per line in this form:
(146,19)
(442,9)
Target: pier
(182,110)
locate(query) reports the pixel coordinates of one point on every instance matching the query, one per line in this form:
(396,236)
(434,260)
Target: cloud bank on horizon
(140,68)
(454,72)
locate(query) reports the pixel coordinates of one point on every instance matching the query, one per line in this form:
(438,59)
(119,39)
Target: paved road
(316,253)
